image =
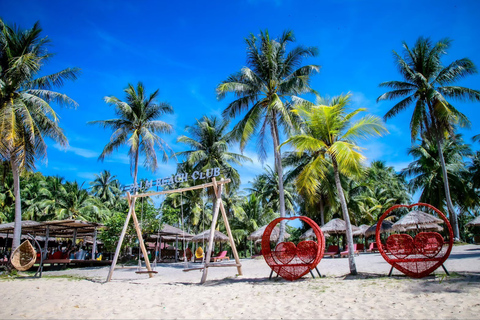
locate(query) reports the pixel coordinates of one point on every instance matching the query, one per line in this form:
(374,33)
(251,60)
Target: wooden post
(212,232)
(47,235)
(122,235)
(74,236)
(94,245)
(176,248)
(142,245)
(227,226)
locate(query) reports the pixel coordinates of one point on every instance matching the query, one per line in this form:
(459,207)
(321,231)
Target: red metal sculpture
(291,261)
(416,256)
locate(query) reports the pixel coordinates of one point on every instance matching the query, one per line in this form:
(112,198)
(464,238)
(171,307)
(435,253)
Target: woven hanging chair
(23,258)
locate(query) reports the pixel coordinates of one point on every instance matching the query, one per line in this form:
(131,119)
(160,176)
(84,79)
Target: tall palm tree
(330,134)
(263,88)
(209,148)
(26,117)
(137,126)
(105,187)
(426,174)
(427,85)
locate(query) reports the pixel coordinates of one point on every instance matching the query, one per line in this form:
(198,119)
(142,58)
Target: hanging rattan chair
(24,256)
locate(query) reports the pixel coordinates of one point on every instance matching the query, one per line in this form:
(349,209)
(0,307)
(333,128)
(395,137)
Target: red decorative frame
(415,257)
(291,261)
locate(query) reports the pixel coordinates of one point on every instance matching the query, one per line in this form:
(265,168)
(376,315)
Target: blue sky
(185,48)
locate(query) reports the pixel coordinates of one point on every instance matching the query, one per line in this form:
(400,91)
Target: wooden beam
(230,237)
(94,245)
(229,231)
(216,209)
(142,245)
(200,186)
(122,236)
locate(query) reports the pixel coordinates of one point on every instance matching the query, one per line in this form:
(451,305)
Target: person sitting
(80,254)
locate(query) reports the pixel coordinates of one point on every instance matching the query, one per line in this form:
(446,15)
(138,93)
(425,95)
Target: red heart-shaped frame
(289,261)
(416,257)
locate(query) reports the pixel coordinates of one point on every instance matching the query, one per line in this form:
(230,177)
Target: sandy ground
(83,294)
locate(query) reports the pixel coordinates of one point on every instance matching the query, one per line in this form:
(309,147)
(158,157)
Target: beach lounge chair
(221,256)
(198,254)
(345,253)
(332,251)
(373,247)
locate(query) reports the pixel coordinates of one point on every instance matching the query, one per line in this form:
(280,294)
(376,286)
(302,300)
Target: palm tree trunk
(278,166)
(17,231)
(136,167)
(452,215)
(346,217)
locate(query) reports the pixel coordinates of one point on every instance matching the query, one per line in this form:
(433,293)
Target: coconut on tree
(26,116)
(263,89)
(330,133)
(428,86)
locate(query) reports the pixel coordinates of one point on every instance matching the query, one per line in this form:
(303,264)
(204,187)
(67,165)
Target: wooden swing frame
(218,206)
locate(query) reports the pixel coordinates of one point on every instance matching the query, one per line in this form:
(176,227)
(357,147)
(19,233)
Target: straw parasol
(425,227)
(204,236)
(311,234)
(257,234)
(386,227)
(361,231)
(416,218)
(474,222)
(336,226)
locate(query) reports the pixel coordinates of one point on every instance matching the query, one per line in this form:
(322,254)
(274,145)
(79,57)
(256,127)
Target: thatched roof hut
(310,234)
(258,234)
(416,218)
(474,222)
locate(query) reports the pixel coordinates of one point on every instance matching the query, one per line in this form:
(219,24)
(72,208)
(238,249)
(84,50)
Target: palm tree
(427,85)
(263,89)
(34,190)
(209,148)
(330,134)
(137,126)
(26,117)
(105,187)
(266,188)
(426,174)
(76,203)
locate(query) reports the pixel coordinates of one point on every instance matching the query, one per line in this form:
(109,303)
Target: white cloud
(85,153)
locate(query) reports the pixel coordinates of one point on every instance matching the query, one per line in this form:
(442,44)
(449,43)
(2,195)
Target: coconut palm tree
(266,188)
(427,85)
(426,172)
(105,187)
(76,203)
(137,126)
(209,148)
(263,89)
(331,135)
(26,117)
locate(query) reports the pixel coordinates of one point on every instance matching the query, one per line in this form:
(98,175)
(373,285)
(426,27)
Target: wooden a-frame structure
(218,206)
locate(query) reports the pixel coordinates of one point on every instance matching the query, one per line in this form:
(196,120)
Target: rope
(183,231)
(203,225)
(141,229)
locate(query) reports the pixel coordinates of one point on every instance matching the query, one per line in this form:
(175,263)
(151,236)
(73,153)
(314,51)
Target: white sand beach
(81,293)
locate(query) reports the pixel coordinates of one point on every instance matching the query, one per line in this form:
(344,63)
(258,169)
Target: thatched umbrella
(416,218)
(386,227)
(361,231)
(204,236)
(258,234)
(311,234)
(424,227)
(474,222)
(336,226)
